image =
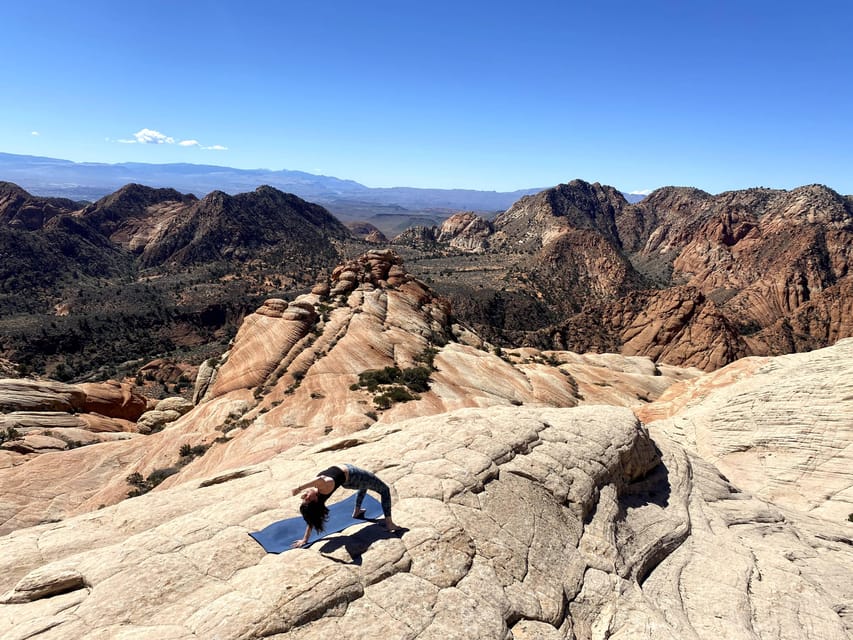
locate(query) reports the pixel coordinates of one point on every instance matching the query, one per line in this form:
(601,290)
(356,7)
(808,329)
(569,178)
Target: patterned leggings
(363,481)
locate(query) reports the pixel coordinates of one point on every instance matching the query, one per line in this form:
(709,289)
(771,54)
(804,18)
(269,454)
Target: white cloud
(35,133)
(150,136)
(644,192)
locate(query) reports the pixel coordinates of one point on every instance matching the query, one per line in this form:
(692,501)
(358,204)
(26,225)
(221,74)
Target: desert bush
(142,486)
(392,395)
(415,378)
(188,452)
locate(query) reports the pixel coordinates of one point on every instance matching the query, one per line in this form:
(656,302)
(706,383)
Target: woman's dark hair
(315,514)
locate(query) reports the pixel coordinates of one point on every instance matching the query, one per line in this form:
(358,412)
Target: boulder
(112,399)
(22,394)
(175,403)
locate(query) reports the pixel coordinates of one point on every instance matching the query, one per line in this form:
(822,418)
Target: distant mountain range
(347,199)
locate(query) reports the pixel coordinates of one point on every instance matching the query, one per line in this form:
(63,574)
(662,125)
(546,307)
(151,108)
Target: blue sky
(486,95)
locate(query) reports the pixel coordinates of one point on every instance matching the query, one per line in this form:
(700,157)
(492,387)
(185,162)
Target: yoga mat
(278,536)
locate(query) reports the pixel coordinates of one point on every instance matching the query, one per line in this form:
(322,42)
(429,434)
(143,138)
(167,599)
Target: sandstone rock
(24,420)
(287,383)
(780,427)
(44,584)
(176,403)
(544,522)
(112,399)
(679,326)
(156,420)
(21,394)
(419,237)
(465,231)
(206,374)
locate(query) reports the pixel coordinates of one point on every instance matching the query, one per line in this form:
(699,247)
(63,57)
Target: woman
(317,491)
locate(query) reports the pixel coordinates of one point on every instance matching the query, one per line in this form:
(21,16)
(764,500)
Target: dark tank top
(337,475)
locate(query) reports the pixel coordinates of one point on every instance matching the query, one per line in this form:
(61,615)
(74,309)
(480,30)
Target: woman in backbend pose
(317,491)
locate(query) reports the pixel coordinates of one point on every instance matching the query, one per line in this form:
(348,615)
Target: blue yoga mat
(278,536)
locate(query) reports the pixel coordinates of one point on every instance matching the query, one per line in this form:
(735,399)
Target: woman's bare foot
(358,513)
(389,525)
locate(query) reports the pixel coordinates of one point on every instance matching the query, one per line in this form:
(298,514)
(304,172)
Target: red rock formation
(112,399)
(681,326)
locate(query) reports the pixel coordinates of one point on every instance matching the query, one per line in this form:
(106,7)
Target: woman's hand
(295,491)
(299,543)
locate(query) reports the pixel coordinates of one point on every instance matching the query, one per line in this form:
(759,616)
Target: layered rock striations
(136,217)
(39,417)
(780,428)
(370,343)
(683,276)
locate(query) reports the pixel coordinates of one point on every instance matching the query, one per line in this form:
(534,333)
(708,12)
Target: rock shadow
(356,544)
(653,488)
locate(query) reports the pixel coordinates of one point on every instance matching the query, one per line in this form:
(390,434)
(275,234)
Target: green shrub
(372,378)
(427,356)
(416,378)
(391,396)
(158,475)
(189,452)
(143,486)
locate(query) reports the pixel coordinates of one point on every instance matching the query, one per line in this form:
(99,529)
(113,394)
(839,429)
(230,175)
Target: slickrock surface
(542,522)
(781,428)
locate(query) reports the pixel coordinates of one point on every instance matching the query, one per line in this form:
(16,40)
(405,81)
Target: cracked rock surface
(519,522)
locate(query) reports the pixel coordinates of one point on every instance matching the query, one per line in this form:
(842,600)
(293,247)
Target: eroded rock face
(684,277)
(781,427)
(112,399)
(43,416)
(419,237)
(19,209)
(466,231)
(681,325)
(539,522)
(524,513)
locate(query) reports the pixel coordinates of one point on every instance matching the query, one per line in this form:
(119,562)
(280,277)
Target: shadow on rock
(357,543)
